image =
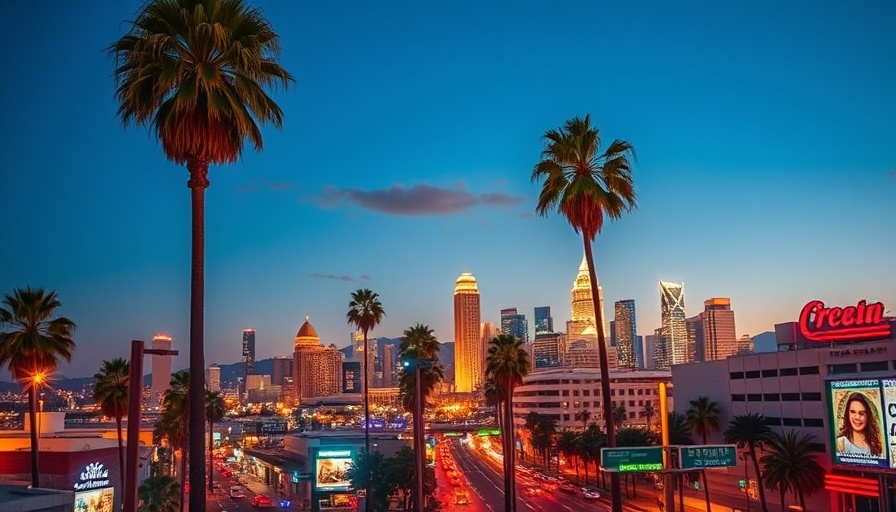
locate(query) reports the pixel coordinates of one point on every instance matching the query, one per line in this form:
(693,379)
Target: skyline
(766,170)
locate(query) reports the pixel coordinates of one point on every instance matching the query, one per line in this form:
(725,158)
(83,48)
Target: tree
(493,398)
(196,72)
(584,416)
(703,417)
(751,432)
(31,343)
(790,464)
(214,412)
(174,422)
(541,431)
(636,436)
(567,445)
(619,415)
(158,494)
(111,393)
(592,440)
(419,343)
(586,186)
(648,411)
(367,472)
(679,433)
(507,363)
(365,311)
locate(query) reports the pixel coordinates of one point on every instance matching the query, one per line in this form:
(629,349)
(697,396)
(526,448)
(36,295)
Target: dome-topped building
(317,369)
(307,336)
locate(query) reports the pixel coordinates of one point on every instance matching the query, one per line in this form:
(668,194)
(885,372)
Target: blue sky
(764,133)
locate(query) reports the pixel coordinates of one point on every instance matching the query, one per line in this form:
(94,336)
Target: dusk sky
(765,134)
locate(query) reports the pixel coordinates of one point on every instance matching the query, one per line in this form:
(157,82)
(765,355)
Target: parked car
(260,500)
(237,492)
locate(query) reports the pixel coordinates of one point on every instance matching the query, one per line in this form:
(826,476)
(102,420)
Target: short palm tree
(174,422)
(507,363)
(703,416)
(214,412)
(31,343)
(111,393)
(791,465)
(751,432)
(158,494)
(584,416)
(648,411)
(418,343)
(196,72)
(365,311)
(493,398)
(587,186)
(592,440)
(566,444)
(619,414)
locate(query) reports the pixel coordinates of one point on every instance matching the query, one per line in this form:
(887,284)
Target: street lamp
(135,395)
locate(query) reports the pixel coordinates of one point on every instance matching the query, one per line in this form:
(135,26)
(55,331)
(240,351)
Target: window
(640,392)
(770,373)
(771,420)
(840,368)
(813,422)
(631,403)
(790,397)
(812,397)
(752,374)
(792,422)
(736,375)
(875,366)
(587,392)
(565,392)
(575,392)
(564,405)
(738,398)
(808,370)
(631,392)
(754,397)
(787,372)
(771,397)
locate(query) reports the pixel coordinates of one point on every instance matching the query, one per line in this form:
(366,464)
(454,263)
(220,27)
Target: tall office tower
(543,320)
(487,332)
(640,361)
(652,350)
(469,366)
(612,333)
(674,330)
(696,340)
(625,334)
(546,350)
(282,370)
(745,345)
(317,370)
(161,370)
(248,352)
(388,366)
(515,324)
(213,378)
(718,326)
(358,338)
(582,325)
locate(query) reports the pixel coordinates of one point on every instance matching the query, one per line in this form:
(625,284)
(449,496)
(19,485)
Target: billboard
(862,416)
(331,469)
(94,500)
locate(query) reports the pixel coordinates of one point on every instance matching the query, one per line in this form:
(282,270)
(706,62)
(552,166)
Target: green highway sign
(707,456)
(632,459)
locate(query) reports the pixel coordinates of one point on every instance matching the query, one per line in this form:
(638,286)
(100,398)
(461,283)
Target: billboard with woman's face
(862,417)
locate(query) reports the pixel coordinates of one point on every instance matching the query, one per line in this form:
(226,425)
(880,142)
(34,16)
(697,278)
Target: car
(226,472)
(260,500)
(533,491)
(461,498)
(591,495)
(237,492)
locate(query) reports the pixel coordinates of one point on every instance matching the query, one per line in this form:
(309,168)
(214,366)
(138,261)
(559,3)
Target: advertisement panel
(94,500)
(861,423)
(331,469)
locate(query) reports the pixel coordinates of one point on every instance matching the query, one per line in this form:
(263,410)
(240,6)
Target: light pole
(135,395)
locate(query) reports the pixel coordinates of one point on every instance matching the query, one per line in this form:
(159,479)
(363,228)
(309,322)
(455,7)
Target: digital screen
(862,414)
(331,469)
(94,500)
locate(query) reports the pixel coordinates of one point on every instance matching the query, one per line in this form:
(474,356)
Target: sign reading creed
(859,322)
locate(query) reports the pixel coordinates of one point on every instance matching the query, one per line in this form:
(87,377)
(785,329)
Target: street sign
(707,456)
(632,459)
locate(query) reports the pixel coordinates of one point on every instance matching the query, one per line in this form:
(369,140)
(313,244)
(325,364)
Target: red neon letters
(862,321)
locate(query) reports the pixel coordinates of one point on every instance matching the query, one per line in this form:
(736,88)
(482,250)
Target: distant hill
(765,342)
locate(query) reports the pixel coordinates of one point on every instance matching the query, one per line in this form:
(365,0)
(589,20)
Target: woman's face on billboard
(858,415)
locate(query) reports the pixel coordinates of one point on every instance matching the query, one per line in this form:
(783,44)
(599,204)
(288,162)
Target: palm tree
(584,416)
(635,436)
(418,343)
(566,444)
(214,411)
(493,397)
(158,494)
(592,440)
(586,186)
(751,432)
(174,422)
(619,414)
(648,411)
(365,311)
(32,346)
(703,416)
(196,72)
(507,363)
(790,464)
(111,393)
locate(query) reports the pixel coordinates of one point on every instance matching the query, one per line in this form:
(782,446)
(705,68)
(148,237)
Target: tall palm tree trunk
(198,183)
(120,449)
(509,464)
(367,425)
(758,478)
(35,447)
(211,454)
(604,373)
(183,476)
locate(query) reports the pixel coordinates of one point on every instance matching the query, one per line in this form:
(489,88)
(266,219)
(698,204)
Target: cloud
(334,277)
(419,199)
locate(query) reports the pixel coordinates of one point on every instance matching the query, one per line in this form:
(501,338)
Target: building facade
(544,322)
(161,370)
(581,329)
(317,370)
(626,332)
(213,378)
(248,352)
(515,324)
(546,350)
(469,367)
(674,339)
(718,329)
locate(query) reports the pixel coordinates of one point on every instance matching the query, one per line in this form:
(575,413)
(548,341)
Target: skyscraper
(371,357)
(213,378)
(248,352)
(487,332)
(546,350)
(626,329)
(696,340)
(515,324)
(388,365)
(674,331)
(718,328)
(161,370)
(581,329)
(468,362)
(544,323)
(317,370)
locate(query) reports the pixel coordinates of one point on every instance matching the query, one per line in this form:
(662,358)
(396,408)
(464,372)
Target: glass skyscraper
(626,329)
(515,324)
(674,334)
(543,321)
(248,352)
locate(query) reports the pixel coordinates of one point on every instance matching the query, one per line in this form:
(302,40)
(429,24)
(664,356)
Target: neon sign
(859,322)
(94,476)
